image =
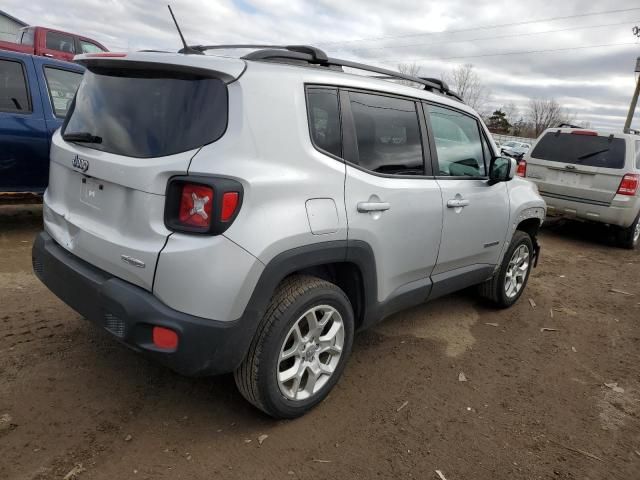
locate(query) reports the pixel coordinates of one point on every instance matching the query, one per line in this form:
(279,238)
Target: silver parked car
(248,215)
(514,149)
(589,175)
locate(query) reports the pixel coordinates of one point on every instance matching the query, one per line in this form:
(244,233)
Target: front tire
(630,237)
(300,349)
(506,286)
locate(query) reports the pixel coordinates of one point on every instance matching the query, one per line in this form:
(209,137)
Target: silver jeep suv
(589,175)
(248,215)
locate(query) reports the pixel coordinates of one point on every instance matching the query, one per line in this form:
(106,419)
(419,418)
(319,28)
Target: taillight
(202,204)
(196,204)
(629,184)
(522,168)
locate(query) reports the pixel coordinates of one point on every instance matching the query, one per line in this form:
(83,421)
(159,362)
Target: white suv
(250,214)
(589,175)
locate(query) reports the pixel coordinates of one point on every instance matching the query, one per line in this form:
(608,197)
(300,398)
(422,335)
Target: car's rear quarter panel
(267,147)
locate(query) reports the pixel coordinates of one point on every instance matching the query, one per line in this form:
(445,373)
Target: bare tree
(412,69)
(512,112)
(545,113)
(467,83)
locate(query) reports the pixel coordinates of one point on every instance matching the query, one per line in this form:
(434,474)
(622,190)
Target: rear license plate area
(91,192)
(572,179)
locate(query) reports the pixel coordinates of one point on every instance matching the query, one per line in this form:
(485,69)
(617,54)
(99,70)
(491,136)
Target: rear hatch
(135,122)
(578,165)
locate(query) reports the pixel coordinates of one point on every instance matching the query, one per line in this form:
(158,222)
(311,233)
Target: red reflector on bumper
(165,338)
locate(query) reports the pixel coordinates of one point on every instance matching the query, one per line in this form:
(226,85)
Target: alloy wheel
(310,352)
(517,271)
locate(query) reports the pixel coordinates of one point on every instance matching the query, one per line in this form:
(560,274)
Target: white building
(9,26)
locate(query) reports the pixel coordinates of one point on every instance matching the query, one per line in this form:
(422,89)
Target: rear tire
(508,283)
(630,237)
(306,334)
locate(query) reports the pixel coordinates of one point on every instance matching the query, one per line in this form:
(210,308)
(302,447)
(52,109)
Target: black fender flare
(290,261)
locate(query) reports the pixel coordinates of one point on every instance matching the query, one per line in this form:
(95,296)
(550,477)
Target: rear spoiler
(225,69)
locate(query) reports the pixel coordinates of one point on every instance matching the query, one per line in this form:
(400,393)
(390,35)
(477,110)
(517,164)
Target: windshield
(143,113)
(588,150)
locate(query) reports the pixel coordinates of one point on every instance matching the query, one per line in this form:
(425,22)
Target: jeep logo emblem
(80,163)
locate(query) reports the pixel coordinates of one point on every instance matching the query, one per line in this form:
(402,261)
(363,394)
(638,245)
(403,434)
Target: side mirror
(502,169)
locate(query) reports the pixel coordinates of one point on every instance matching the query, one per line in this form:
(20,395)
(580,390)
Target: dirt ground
(535,404)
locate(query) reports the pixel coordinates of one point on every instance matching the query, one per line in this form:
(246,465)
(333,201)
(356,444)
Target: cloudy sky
(581,53)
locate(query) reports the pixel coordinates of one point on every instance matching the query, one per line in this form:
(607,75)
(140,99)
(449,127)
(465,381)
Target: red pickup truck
(51,43)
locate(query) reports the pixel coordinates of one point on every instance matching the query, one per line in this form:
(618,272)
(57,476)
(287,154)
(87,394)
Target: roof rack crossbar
(313,55)
(430,84)
(317,54)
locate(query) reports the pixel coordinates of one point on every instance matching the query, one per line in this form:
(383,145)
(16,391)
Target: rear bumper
(621,212)
(129,313)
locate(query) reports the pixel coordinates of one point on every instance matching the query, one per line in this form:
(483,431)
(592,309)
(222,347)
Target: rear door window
(146,113)
(324,120)
(62,86)
(458,143)
(60,41)
(387,134)
(14,95)
(587,150)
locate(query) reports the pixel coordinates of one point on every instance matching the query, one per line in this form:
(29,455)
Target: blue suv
(35,94)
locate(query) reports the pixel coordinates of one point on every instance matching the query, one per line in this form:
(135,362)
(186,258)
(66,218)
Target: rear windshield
(588,150)
(141,113)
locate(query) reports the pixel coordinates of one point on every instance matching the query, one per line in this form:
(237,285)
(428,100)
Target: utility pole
(634,99)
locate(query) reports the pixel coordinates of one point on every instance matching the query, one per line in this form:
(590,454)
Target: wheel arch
(348,264)
(530,226)
(530,222)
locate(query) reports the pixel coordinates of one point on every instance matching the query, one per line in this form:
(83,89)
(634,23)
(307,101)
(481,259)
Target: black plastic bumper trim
(128,312)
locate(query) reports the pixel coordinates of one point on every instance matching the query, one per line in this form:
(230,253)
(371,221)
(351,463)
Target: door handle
(366,207)
(457,203)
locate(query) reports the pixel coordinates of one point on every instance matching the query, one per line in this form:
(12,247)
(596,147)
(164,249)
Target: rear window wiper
(84,137)
(592,154)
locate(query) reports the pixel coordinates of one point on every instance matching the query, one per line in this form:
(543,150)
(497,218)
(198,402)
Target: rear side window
(62,86)
(458,143)
(60,41)
(14,96)
(89,47)
(387,134)
(27,37)
(638,154)
(588,150)
(144,113)
(324,120)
